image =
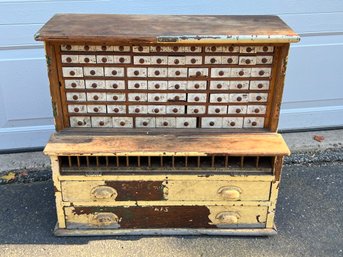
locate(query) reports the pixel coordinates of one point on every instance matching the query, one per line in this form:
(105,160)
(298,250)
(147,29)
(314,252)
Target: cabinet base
(165,232)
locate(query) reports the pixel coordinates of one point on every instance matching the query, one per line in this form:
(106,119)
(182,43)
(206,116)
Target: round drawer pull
(213,48)
(229,60)
(68,59)
(231,49)
(239,99)
(258,98)
(198,73)
(211,123)
(175,110)
(86,48)
(122,123)
(115,85)
(80,123)
(193,60)
(254,123)
(219,99)
(159,60)
(157,98)
(86,59)
(193,48)
(221,73)
(101,123)
(137,110)
(261,73)
(196,99)
(92,72)
(176,61)
(103,48)
(140,48)
(145,123)
(196,110)
(157,72)
(257,110)
(121,59)
(157,86)
(232,124)
(239,86)
(241,73)
(141,60)
(177,86)
(176,98)
(238,110)
(165,123)
(94,85)
(75,97)
(265,48)
(71,73)
(228,217)
(219,86)
(137,85)
(247,61)
(137,98)
(95,109)
(136,72)
(156,110)
(217,110)
(230,192)
(158,49)
(73,84)
(116,109)
(121,48)
(104,59)
(196,86)
(186,124)
(176,48)
(213,60)
(115,98)
(177,73)
(96,97)
(76,109)
(114,72)
(260,85)
(68,47)
(264,60)
(249,49)
(106,219)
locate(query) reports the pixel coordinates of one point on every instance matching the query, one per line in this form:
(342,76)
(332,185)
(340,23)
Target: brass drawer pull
(105,219)
(104,192)
(230,192)
(228,217)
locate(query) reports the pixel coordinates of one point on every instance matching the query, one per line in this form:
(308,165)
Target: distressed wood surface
(77,191)
(166,28)
(267,144)
(165,217)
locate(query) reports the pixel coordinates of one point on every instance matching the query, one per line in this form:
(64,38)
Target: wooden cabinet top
(166,29)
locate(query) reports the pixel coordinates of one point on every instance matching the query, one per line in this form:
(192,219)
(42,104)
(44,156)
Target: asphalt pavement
(309,220)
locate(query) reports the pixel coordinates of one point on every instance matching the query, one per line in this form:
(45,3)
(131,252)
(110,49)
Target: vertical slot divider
(106,158)
(173,161)
(97,160)
(198,161)
(212,161)
(117,161)
(257,161)
(138,161)
(78,161)
(226,164)
(161,161)
(69,161)
(127,161)
(186,161)
(87,161)
(242,162)
(149,161)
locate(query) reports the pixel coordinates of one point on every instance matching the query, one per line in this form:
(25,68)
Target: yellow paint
(9,176)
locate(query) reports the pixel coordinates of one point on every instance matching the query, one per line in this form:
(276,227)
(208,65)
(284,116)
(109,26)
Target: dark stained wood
(147,28)
(155,217)
(278,167)
(266,144)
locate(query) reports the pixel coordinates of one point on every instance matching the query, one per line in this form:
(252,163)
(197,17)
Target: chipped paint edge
(229,39)
(165,232)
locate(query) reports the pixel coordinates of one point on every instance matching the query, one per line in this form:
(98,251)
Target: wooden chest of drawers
(148,110)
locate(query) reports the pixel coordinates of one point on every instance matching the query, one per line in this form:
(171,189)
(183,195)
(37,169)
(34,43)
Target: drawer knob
(211,123)
(92,72)
(193,60)
(145,123)
(157,98)
(249,49)
(239,86)
(73,84)
(176,98)
(165,123)
(104,192)
(76,109)
(177,73)
(122,123)
(196,99)
(114,72)
(198,73)
(217,110)
(141,60)
(96,97)
(193,48)
(221,73)
(247,61)
(86,59)
(101,123)
(241,73)
(157,86)
(137,98)
(265,48)
(72,73)
(157,72)
(68,59)
(115,98)
(75,97)
(239,99)
(232,124)
(257,110)
(137,110)
(231,49)
(159,60)
(175,48)
(104,59)
(116,109)
(86,48)
(264,60)
(176,61)
(121,59)
(219,99)
(196,86)
(103,48)
(158,49)
(137,85)
(94,85)
(228,217)
(238,110)
(115,85)
(213,48)
(196,110)
(254,123)
(177,86)
(106,219)
(80,123)
(219,86)
(230,192)
(261,72)
(156,110)
(258,98)
(68,47)
(96,109)
(121,48)
(260,85)
(186,124)
(213,60)
(140,48)
(229,60)
(175,110)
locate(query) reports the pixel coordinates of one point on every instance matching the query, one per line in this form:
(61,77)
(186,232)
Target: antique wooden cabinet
(166,124)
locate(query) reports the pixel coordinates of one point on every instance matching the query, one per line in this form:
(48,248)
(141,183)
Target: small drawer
(121,59)
(213,59)
(247,60)
(96,108)
(138,109)
(219,98)
(87,59)
(141,60)
(177,72)
(140,49)
(114,72)
(157,85)
(89,48)
(240,72)
(259,84)
(121,48)
(165,122)
(239,85)
(76,97)
(210,122)
(77,84)
(70,58)
(70,47)
(159,49)
(256,109)
(104,59)
(264,59)
(238,98)
(115,84)
(231,49)
(137,97)
(95,84)
(213,49)
(219,85)
(253,122)
(193,60)
(232,122)
(175,109)
(96,96)
(80,122)
(217,109)
(104,48)
(196,109)
(175,97)
(137,84)
(220,72)
(247,49)
(177,49)
(145,122)
(77,109)
(258,97)
(177,85)
(197,98)
(176,60)
(156,97)
(93,71)
(196,85)
(237,109)
(156,109)
(101,122)
(193,49)
(261,72)
(230,59)
(72,72)
(157,72)
(137,72)
(115,97)
(185,122)
(119,109)
(160,60)
(122,122)
(264,49)
(198,72)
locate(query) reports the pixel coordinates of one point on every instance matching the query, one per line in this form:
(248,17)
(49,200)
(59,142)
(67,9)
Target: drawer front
(211,122)
(137,84)
(232,122)
(119,109)
(72,72)
(95,84)
(220,109)
(122,122)
(115,84)
(165,217)
(145,122)
(77,84)
(79,122)
(114,72)
(77,109)
(101,122)
(184,122)
(165,122)
(96,108)
(93,71)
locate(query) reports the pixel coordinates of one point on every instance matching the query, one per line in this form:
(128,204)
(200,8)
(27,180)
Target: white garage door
(314,87)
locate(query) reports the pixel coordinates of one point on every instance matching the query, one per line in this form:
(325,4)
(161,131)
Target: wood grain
(166,28)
